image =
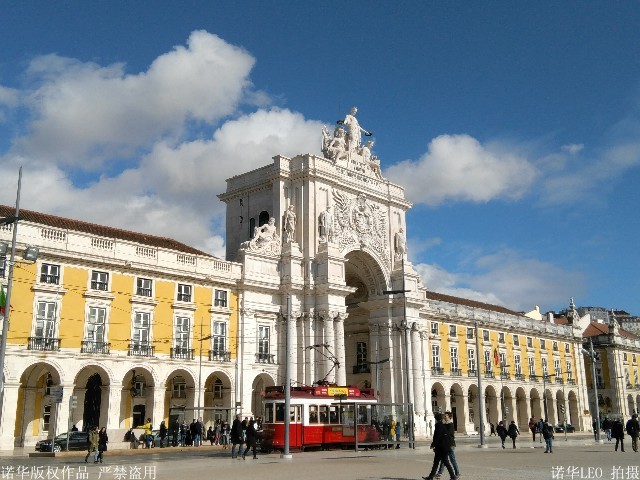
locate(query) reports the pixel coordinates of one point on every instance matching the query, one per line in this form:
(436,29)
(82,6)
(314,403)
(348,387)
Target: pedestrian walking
(513,432)
(398,433)
(501,431)
(595,429)
(633,429)
(540,427)
(492,429)
(252,439)
(93,445)
(547,434)
(532,427)
(103,439)
(607,425)
(441,446)
(236,436)
(617,431)
(448,423)
(163,434)
(175,431)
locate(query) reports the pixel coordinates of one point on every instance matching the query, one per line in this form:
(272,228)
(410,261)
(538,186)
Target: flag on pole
(496,357)
(3,300)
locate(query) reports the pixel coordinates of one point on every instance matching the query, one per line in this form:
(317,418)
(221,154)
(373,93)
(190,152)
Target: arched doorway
(92,402)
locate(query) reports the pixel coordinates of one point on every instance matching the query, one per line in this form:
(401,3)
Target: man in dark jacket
(441,446)
(633,429)
(502,432)
(252,439)
(513,432)
(617,431)
(448,422)
(236,436)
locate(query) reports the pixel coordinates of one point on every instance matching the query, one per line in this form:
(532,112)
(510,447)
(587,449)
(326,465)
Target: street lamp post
(480,392)
(502,406)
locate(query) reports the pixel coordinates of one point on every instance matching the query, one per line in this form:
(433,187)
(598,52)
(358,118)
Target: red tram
(322,416)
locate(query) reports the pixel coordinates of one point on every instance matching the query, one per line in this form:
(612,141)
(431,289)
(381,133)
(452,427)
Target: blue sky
(514,126)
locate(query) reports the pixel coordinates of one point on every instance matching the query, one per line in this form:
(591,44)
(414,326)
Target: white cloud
(459,168)
(508,279)
(84,113)
(572,148)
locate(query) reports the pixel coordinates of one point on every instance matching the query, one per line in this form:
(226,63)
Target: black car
(77,441)
(559,428)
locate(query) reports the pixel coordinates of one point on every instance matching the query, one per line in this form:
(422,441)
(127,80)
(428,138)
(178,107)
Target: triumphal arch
(328,232)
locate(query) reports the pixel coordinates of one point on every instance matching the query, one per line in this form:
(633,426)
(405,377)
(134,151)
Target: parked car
(168,440)
(77,441)
(559,428)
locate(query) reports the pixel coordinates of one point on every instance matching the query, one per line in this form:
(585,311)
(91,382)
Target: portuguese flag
(3,300)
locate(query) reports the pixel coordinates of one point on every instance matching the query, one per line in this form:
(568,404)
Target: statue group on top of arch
(346,146)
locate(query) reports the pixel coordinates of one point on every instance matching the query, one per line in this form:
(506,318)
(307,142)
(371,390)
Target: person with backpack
(513,432)
(633,429)
(501,431)
(441,446)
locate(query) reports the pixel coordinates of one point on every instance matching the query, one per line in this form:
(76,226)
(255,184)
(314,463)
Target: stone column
(158,393)
(341,374)
(417,368)
(330,347)
(308,353)
(114,400)
(292,323)
(9,410)
(62,409)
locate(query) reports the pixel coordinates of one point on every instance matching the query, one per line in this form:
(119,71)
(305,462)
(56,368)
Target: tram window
(333,414)
(268,413)
(362,414)
(292,413)
(324,414)
(279,412)
(313,414)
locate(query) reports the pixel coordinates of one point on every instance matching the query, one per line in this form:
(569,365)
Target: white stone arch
(87,370)
(437,395)
(260,382)
(364,263)
(574,413)
(522,410)
(509,406)
(535,404)
(560,401)
(458,403)
(491,405)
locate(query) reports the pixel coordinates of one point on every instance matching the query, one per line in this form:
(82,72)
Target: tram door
(295,427)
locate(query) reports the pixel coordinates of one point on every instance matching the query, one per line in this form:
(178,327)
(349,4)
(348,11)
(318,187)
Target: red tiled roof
(100,230)
(561,320)
(596,328)
(441,297)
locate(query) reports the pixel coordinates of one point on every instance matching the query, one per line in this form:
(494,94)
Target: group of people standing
(615,429)
(545,432)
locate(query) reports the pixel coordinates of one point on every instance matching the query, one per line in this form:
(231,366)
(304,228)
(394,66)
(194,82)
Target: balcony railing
(219,356)
(456,372)
(90,346)
(559,380)
(505,375)
(571,381)
(44,343)
(533,378)
(519,376)
(489,374)
(472,373)
(437,371)
(183,353)
(265,358)
(141,350)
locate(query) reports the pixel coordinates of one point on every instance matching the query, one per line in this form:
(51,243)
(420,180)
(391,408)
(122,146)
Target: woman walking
(93,445)
(252,439)
(513,432)
(103,439)
(502,432)
(441,446)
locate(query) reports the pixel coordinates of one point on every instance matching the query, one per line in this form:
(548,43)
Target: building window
(435,356)
(219,340)
(142,328)
(503,362)
(543,344)
(471,359)
(485,335)
(516,341)
(182,334)
(95,324)
(624,356)
(599,379)
(46,320)
(46,418)
(555,346)
(545,368)
(263,341)
(487,361)
(184,293)
(217,388)
(453,355)
(635,374)
(453,331)
(99,280)
(221,298)
(500,337)
(517,365)
(143,287)
(470,333)
(3,266)
(179,387)
(532,366)
(633,358)
(434,328)
(50,274)
(362,363)
(557,369)
(569,371)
